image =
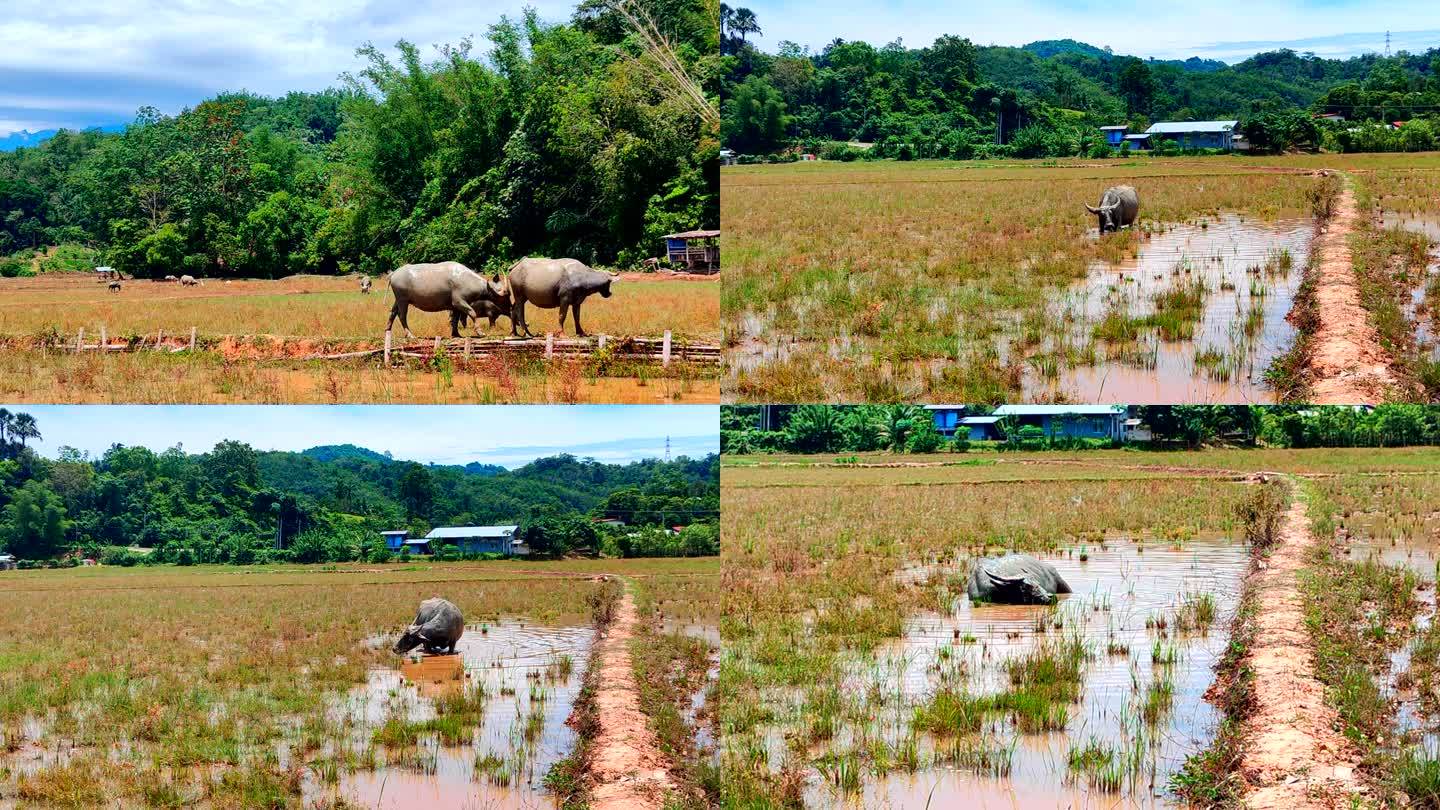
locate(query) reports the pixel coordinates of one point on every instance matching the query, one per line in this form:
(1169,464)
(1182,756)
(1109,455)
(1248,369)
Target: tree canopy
(235,504)
(568,139)
(956,99)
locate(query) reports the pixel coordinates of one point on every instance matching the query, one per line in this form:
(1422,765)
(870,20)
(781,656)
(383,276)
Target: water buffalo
(442,287)
(552,283)
(365,285)
(438,625)
(1015,579)
(188,281)
(115,286)
(171,278)
(1119,206)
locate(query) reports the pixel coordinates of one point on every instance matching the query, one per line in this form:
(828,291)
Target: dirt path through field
(627,768)
(1347,364)
(1293,757)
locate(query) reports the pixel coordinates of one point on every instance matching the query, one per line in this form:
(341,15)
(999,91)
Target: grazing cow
(115,286)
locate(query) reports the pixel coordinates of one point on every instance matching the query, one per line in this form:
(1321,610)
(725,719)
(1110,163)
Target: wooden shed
(696,251)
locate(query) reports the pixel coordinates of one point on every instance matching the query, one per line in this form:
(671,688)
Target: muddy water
(1222,253)
(1420,554)
(515,663)
(1115,592)
(1426,321)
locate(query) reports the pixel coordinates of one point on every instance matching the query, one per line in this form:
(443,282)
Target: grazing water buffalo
(1015,579)
(115,286)
(171,278)
(1119,206)
(437,626)
(188,281)
(365,284)
(552,283)
(442,287)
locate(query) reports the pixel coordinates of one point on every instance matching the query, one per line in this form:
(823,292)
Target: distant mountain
(1047,48)
(338,452)
(25,138)
(335,452)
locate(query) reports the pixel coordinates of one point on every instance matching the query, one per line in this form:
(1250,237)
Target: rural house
(1058,421)
(481,539)
(395,540)
(1196,134)
(1115,135)
(7,562)
(696,251)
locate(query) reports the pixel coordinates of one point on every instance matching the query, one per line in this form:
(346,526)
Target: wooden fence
(662,350)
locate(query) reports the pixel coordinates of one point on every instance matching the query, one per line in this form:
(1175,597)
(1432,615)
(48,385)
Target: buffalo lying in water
(437,626)
(1015,579)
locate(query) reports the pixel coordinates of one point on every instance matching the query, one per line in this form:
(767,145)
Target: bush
(14,267)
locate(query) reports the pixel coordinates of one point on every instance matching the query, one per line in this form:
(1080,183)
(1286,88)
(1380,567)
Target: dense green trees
(909,428)
(954,99)
(561,140)
(235,504)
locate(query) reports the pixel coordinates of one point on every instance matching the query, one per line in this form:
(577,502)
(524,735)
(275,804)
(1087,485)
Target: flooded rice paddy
(1196,315)
(1420,309)
(1132,610)
(527,678)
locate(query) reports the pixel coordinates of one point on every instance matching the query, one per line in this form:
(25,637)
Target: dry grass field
(317,315)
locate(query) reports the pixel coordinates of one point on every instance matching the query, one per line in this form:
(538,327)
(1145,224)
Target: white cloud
(1139,27)
(171,55)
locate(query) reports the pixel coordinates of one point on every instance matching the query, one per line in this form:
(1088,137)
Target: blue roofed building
(480,539)
(1115,135)
(1196,134)
(395,540)
(1108,422)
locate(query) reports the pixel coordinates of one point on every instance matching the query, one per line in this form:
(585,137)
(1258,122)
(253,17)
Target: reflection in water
(529,675)
(1418,311)
(1227,254)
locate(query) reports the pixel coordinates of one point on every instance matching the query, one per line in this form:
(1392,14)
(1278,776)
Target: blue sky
(90,62)
(510,435)
(1230,30)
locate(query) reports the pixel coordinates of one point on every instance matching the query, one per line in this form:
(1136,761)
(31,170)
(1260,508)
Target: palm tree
(744,22)
(727,19)
(6,420)
(24,428)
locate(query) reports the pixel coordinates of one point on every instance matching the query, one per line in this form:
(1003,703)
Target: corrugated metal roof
(1059,410)
(979,420)
(1118,126)
(398,531)
(1143,136)
(1173,127)
(691,235)
(456,532)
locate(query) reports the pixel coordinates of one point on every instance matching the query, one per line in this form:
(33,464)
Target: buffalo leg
(399,310)
(579,330)
(564,308)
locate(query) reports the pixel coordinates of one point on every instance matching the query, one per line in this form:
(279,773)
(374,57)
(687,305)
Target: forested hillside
(566,139)
(233,503)
(956,99)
